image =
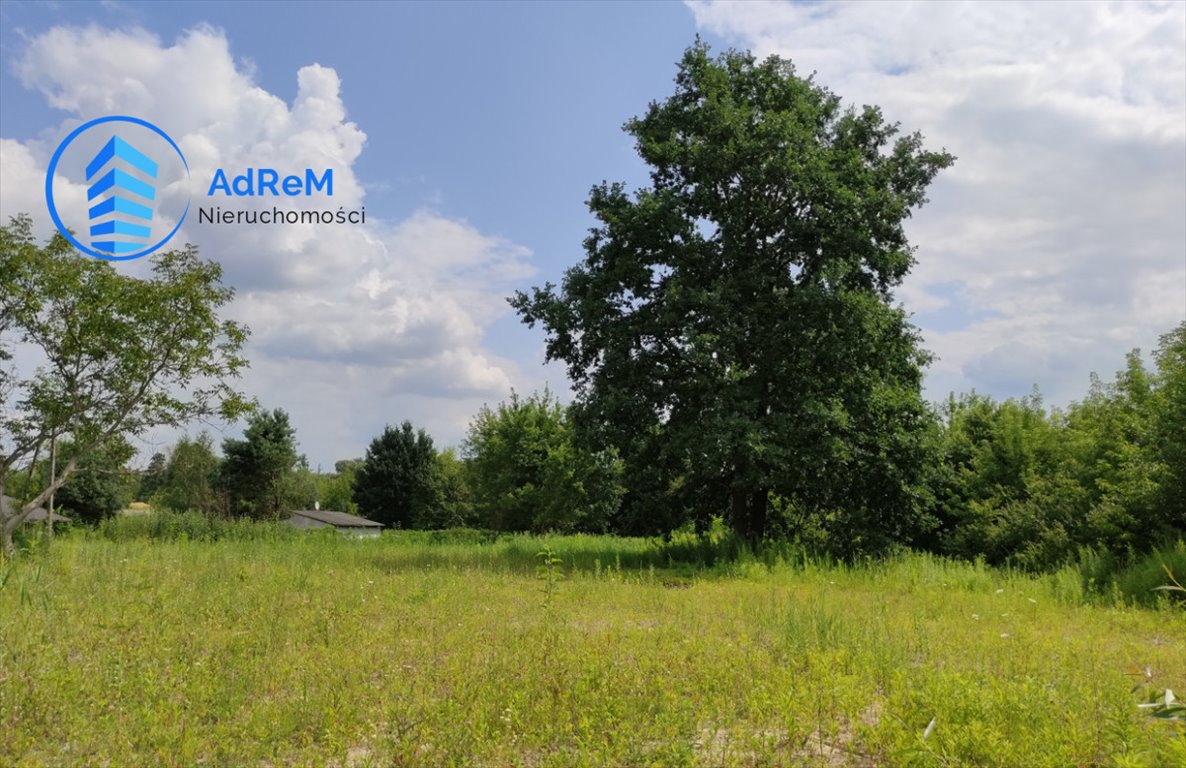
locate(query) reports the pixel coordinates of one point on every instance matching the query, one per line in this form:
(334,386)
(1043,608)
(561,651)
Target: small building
(9,506)
(136,508)
(351,525)
(39,513)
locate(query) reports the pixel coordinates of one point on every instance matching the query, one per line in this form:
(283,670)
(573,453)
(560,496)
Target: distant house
(351,525)
(8,505)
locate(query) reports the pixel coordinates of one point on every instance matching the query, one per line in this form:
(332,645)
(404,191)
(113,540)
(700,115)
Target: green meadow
(275,649)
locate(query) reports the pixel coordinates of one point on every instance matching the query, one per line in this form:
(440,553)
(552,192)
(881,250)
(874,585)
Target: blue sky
(504,114)
(472,133)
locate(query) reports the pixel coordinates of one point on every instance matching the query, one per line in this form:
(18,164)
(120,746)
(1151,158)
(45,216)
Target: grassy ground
(404,652)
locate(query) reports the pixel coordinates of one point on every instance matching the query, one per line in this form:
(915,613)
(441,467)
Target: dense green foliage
(109,356)
(189,478)
(1012,482)
(731,330)
(450,499)
(99,486)
(1019,484)
(1009,481)
(151,477)
(396,484)
(419,649)
(256,470)
(1168,413)
(336,491)
(526,473)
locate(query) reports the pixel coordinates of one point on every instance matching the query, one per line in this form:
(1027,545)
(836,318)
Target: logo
(136,183)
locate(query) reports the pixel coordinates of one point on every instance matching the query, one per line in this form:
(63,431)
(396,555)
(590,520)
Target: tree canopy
(100,485)
(1021,485)
(527,474)
(188,480)
(396,483)
(112,355)
(731,329)
(255,470)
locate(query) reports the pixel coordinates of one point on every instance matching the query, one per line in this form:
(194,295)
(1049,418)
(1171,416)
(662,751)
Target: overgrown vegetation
(1020,484)
(441,649)
(527,473)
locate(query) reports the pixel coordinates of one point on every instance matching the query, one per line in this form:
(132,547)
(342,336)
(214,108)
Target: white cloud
(353,326)
(1061,223)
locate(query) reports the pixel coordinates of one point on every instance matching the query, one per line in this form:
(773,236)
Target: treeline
(260,476)
(1017,483)
(1012,481)
(519,470)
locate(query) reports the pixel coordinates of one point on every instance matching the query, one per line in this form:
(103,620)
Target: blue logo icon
(123,184)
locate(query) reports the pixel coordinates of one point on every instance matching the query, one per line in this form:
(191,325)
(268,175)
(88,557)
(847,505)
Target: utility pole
(53,476)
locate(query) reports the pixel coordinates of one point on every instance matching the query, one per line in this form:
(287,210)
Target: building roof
(8,505)
(38,515)
(337,519)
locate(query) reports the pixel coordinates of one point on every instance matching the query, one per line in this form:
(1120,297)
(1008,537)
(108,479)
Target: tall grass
(1099,576)
(170,644)
(1134,578)
(164,525)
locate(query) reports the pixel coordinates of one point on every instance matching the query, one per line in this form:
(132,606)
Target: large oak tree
(731,329)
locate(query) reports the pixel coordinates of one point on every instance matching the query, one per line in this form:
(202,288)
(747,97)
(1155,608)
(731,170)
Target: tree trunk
(17,517)
(759,506)
(53,472)
(739,513)
(8,524)
(749,514)
(9,548)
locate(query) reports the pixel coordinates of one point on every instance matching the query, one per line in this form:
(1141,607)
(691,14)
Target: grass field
(317,650)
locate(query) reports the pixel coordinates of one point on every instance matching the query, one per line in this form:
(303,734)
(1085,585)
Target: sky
(472,133)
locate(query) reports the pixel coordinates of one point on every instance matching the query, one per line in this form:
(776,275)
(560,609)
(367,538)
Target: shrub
(1135,578)
(164,525)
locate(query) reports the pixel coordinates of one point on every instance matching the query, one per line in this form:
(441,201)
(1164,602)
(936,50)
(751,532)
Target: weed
(549,572)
